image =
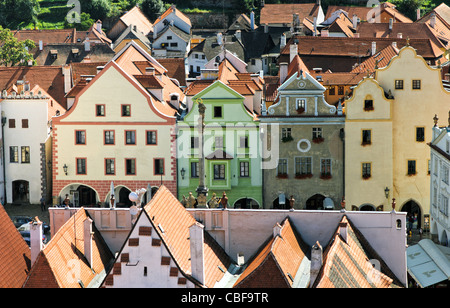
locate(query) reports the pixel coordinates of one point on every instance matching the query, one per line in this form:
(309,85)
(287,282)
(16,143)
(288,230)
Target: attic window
(54,54)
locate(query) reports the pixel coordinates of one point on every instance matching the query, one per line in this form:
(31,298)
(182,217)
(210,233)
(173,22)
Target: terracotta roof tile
(346,263)
(282,13)
(14,254)
(178,13)
(286,251)
(164,209)
(49,78)
(55,36)
(52,267)
(362,11)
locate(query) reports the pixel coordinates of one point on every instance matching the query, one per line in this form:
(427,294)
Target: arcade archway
(315,202)
(414,216)
(246,203)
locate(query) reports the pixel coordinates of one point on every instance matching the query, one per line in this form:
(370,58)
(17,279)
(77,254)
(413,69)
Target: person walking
(42,204)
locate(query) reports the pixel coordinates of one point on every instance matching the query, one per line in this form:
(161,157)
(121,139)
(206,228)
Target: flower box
(282,176)
(300,110)
(366,176)
(287,139)
(325,176)
(368,108)
(303,176)
(318,140)
(364,143)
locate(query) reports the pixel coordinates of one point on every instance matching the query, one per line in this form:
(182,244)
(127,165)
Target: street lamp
(386,192)
(65,168)
(182,172)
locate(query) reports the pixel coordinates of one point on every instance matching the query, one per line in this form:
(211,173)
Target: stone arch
(79,194)
(367,207)
(315,202)
(246,203)
(414,210)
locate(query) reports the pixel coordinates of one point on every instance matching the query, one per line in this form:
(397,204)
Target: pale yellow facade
(406,95)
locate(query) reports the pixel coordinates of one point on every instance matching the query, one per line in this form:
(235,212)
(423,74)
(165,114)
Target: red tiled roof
(346,263)
(49,78)
(362,11)
(164,209)
(283,13)
(137,18)
(175,69)
(178,13)
(380,59)
(14,254)
(276,262)
(52,267)
(55,36)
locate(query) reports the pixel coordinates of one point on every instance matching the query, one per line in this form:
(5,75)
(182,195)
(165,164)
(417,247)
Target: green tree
(14,52)
(97,9)
(85,23)
(14,12)
(408,7)
(152,8)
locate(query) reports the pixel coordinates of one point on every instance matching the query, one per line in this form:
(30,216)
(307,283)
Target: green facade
(231,149)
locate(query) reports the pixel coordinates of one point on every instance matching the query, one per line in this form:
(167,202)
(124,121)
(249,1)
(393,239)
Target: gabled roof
(131,34)
(49,78)
(277,262)
(136,17)
(242,23)
(378,60)
(443,10)
(411,30)
(283,13)
(363,11)
(177,12)
(54,36)
(175,69)
(346,262)
(50,269)
(165,210)
(15,254)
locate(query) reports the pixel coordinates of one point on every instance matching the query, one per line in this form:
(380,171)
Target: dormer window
(368,105)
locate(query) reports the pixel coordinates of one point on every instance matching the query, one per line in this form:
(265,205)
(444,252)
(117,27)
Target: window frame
(78,131)
(221,112)
(81,159)
(163,166)
(221,175)
(303,167)
(399,84)
(416,84)
(123,112)
(155,137)
(97,110)
(113,137)
(113,165)
(423,133)
(366,170)
(246,173)
(133,131)
(16,154)
(133,160)
(364,139)
(27,159)
(409,170)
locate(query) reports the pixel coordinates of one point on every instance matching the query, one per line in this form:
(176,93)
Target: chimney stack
(252,20)
(418,14)
(355,21)
(87,45)
(343,230)
(220,38)
(283,72)
(99,26)
(36,238)
(433,20)
(293,51)
(87,236)
(196,239)
(374,48)
(399,35)
(41,45)
(391,23)
(316,262)
(238,35)
(277,230)
(282,41)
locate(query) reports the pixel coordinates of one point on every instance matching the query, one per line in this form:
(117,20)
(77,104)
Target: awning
(328,204)
(428,263)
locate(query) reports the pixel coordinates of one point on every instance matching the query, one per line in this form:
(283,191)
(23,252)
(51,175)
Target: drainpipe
(3,154)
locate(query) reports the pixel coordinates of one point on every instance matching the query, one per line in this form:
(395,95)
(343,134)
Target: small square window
(217,111)
(109,137)
(398,84)
(81,165)
(100,110)
(80,137)
(12,123)
(420,134)
(24,123)
(219,172)
(368,104)
(130,166)
(411,167)
(130,137)
(416,84)
(151,137)
(126,110)
(332,90)
(366,137)
(110,164)
(159,166)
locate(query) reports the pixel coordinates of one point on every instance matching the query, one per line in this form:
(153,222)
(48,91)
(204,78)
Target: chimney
(343,230)
(418,14)
(87,45)
(277,230)
(282,41)
(41,45)
(433,20)
(293,51)
(220,38)
(266,28)
(391,23)
(252,20)
(324,33)
(87,237)
(99,26)
(355,21)
(155,33)
(315,26)
(238,35)
(374,48)
(356,35)
(283,72)
(196,239)
(35,238)
(316,262)
(399,35)
(240,259)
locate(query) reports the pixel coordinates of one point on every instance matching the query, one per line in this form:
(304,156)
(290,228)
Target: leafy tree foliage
(14,52)
(152,8)
(97,9)
(13,12)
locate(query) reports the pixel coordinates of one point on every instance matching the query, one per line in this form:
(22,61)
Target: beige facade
(308,134)
(406,95)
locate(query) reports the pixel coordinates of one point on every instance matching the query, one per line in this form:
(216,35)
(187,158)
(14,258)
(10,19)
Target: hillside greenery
(51,14)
